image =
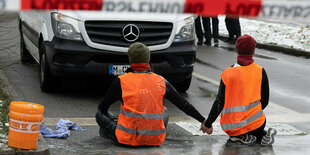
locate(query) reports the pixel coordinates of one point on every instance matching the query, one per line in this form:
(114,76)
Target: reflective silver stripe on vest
(141,115)
(243,123)
(240,108)
(141,132)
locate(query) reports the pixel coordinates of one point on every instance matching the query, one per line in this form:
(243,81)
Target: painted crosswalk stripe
(204,78)
(282,129)
(192,126)
(272,118)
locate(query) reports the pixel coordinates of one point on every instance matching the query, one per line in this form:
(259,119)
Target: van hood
(125,16)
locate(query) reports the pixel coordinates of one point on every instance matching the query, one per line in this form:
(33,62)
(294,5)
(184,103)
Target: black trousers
(108,122)
(233,27)
(207,27)
(258,133)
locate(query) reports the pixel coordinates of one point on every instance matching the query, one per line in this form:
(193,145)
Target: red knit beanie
(245,45)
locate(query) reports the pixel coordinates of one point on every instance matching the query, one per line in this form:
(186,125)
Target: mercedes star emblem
(131,32)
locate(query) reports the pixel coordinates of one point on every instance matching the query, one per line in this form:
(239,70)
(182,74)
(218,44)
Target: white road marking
(283,109)
(272,118)
(192,126)
(199,76)
(91,121)
(84,121)
(282,129)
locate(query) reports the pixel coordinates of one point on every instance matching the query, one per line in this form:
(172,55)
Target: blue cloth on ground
(63,128)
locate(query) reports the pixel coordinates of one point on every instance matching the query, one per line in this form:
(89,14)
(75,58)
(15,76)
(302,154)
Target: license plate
(118,69)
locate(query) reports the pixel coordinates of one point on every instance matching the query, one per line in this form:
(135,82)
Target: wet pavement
(178,141)
(289,104)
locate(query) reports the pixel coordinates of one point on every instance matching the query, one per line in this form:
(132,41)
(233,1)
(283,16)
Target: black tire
(25,56)
(48,82)
(184,85)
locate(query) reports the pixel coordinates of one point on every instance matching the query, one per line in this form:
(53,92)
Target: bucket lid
(26,107)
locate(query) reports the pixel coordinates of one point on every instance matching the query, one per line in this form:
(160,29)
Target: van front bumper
(68,58)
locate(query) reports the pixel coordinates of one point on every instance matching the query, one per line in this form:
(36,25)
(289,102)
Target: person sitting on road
(242,96)
(142,118)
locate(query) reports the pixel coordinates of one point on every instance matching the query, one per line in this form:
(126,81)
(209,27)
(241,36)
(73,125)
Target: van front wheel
(183,85)
(48,82)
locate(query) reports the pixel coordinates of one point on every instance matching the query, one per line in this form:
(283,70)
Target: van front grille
(111,32)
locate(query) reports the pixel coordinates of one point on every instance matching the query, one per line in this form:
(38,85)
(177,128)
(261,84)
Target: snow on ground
(3,142)
(285,35)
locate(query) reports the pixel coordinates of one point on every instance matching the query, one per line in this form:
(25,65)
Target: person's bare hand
(209,130)
(205,129)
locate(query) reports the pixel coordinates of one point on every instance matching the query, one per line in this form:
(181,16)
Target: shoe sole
(271,134)
(242,142)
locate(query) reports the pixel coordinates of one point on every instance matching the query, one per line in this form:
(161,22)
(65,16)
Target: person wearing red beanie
(243,95)
(245,47)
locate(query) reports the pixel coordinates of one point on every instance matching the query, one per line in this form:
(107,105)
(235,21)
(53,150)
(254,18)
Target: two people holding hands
(242,96)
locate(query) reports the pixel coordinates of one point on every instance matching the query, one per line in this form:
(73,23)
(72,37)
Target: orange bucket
(25,121)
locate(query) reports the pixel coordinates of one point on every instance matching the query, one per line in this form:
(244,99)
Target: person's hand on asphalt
(205,129)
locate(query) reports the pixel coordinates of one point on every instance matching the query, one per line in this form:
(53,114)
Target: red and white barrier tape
(294,10)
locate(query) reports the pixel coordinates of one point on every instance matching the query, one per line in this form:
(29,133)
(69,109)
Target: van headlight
(66,27)
(185,30)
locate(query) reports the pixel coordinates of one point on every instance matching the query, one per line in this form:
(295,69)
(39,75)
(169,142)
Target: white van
(92,43)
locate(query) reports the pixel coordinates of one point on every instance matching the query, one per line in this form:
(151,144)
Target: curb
(280,49)
(42,149)
(290,51)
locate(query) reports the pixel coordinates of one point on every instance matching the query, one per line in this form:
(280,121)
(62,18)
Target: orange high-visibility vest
(242,110)
(140,120)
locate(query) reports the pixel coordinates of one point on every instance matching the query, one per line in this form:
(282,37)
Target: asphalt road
(78,101)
